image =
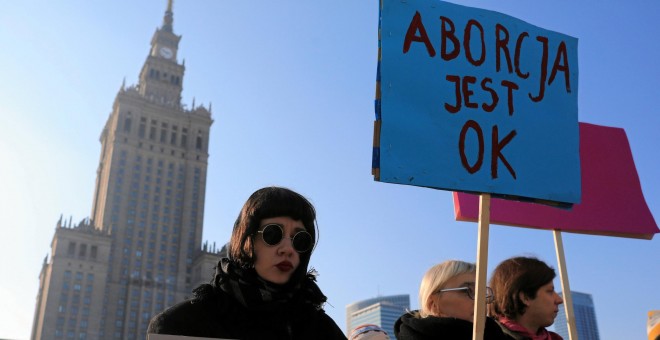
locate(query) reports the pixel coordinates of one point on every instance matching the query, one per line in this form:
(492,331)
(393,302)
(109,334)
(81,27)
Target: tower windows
(143,127)
(184,137)
(163,133)
(173,135)
(72,249)
(152,130)
(127,125)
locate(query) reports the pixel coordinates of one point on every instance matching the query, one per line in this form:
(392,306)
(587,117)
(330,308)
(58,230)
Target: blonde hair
(436,278)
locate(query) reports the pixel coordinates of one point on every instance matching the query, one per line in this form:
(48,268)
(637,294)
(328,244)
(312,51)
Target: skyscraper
(585,318)
(141,250)
(382,311)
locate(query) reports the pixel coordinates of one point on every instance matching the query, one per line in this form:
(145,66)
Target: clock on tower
(166,52)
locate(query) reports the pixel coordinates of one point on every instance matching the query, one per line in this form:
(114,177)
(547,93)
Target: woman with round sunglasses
(446,299)
(263,289)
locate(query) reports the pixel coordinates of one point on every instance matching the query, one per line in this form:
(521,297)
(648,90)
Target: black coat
(221,316)
(412,327)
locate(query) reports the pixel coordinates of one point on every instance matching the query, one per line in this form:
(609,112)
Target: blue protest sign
(475,100)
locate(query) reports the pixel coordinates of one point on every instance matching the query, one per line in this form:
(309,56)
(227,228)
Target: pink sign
(612,200)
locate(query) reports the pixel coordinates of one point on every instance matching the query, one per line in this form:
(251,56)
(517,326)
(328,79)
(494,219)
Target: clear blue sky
(292,85)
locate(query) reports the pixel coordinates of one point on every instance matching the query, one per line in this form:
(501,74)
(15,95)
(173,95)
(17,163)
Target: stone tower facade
(141,250)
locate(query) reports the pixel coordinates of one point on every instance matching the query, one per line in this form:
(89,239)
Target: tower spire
(168,19)
(161,75)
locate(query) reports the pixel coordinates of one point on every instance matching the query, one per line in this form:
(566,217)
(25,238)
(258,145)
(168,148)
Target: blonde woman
(446,300)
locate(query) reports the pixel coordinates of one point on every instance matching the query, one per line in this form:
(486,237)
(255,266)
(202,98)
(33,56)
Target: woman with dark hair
(263,290)
(525,298)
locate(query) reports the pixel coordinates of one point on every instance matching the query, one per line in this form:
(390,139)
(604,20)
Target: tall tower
(147,210)
(585,318)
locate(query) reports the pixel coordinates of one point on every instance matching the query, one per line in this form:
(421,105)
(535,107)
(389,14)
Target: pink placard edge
(459,216)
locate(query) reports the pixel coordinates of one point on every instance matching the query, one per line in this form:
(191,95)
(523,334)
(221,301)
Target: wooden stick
(565,287)
(482,266)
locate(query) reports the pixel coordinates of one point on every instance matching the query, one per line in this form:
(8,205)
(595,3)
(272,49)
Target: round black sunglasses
(273,234)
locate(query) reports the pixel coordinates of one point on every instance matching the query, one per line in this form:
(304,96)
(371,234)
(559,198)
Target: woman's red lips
(284,266)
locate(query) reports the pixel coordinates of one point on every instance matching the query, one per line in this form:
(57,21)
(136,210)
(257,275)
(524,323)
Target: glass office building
(382,311)
(585,318)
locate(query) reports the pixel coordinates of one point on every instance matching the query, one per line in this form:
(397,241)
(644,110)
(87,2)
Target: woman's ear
(432,306)
(524,298)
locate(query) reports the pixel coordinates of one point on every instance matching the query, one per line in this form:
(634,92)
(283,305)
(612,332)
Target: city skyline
(293,106)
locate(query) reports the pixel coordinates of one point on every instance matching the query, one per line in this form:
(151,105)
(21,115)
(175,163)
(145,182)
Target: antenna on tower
(168,18)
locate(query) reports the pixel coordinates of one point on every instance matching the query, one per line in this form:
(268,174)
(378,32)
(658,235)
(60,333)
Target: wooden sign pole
(565,288)
(482,266)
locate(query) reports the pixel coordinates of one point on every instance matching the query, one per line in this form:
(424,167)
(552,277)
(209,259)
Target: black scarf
(255,294)
(412,326)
